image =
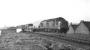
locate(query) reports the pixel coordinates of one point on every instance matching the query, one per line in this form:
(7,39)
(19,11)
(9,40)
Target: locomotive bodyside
(54,25)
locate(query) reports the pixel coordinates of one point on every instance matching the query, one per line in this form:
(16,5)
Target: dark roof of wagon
(87,24)
(57,19)
(30,24)
(12,28)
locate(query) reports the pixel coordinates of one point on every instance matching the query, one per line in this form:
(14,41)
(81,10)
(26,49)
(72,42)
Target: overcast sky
(16,12)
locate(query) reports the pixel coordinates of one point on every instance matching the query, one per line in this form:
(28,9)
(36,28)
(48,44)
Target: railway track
(66,40)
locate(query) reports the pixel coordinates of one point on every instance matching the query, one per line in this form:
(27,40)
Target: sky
(18,12)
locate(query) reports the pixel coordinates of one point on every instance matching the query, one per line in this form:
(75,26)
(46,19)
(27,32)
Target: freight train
(56,25)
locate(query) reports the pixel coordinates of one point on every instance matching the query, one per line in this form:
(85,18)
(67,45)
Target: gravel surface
(23,41)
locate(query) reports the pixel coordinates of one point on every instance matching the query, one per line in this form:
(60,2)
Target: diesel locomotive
(57,25)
